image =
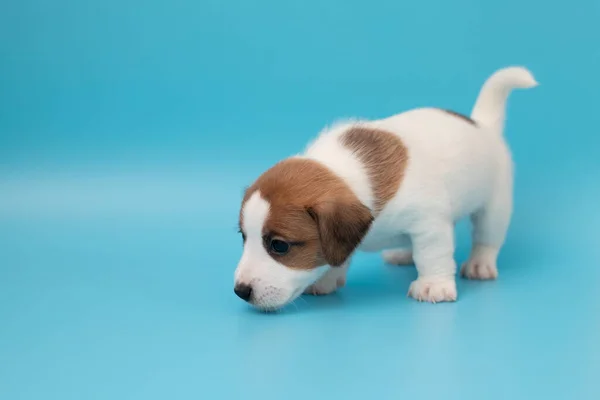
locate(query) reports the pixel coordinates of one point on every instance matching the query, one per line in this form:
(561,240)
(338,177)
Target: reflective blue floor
(129,129)
(128,302)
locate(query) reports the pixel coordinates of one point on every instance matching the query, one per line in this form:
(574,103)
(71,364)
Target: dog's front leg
(433,252)
(333,279)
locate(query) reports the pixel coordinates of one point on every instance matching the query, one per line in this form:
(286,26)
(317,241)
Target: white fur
(481,263)
(455,169)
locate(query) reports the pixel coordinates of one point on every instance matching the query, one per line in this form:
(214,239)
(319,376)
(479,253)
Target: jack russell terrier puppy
(397,184)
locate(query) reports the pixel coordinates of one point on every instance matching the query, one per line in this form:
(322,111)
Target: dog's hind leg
(490,225)
(401,254)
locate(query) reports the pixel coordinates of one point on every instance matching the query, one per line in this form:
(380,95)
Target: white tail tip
(513,78)
(490,106)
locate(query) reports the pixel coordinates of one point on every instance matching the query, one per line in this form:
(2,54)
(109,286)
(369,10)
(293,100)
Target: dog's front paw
(481,264)
(329,283)
(433,290)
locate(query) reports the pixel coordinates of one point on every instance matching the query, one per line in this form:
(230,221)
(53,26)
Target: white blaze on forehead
(254,215)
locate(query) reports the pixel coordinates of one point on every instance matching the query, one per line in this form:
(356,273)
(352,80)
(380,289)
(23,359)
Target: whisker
(295,305)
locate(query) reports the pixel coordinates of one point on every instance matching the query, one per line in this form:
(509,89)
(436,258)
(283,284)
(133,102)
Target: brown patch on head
(314,210)
(458,115)
(384,156)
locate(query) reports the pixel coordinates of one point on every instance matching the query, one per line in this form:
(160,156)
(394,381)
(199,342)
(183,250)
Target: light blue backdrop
(129,128)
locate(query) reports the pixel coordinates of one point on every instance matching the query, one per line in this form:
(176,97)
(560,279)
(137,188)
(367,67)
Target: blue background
(129,128)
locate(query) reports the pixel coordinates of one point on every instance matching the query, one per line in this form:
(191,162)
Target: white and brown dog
(398,184)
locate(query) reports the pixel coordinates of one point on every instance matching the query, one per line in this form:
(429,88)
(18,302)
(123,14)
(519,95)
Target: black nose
(243,291)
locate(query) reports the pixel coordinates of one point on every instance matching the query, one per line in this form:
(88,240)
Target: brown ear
(342,227)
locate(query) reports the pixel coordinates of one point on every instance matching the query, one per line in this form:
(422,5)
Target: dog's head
(297,220)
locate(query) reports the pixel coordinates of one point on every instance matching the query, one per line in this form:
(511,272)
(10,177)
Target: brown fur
(458,115)
(384,156)
(313,207)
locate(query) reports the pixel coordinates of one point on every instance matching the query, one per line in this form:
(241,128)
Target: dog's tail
(490,106)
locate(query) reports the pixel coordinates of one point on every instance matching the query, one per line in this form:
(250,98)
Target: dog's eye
(243,236)
(279,246)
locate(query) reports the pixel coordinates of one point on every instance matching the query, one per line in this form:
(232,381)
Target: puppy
(398,184)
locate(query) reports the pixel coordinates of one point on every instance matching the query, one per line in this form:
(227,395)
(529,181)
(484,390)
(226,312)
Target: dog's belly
(377,242)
